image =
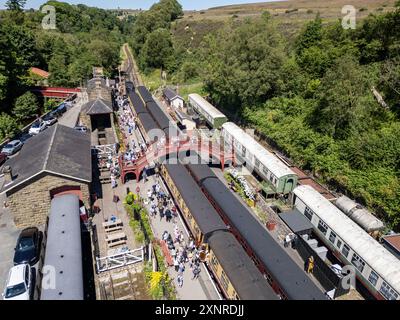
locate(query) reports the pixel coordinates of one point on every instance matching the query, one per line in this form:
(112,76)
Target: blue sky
(143,4)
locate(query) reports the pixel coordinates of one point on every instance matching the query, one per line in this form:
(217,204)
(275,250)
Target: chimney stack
(7,174)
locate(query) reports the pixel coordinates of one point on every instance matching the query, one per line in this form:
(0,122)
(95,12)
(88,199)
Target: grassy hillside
(290,15)
(294,9)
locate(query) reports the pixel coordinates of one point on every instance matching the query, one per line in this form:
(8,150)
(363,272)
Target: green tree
(15,5)
(157,50)
(345,100)
(244,64)
(8,126)
(310,36)
(26,106)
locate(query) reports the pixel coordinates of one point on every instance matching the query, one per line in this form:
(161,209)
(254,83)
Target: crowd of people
(183,254)
(128,121)
(161,204)
(110,163)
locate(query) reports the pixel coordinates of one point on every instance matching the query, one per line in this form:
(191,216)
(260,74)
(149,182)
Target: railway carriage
(284,275)
(272,170)
(129,86)
(158,115)
(145,94)
(212,115)
(64,251)
(234,271)
(148,126)
(136,102)
(376,268)
(200,216)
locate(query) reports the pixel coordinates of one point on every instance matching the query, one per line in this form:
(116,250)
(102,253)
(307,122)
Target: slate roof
(171,94)
(58,150)
(98,106)
(91,84)
(296,221)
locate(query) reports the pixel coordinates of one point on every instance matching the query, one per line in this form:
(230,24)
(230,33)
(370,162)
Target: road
(70,118)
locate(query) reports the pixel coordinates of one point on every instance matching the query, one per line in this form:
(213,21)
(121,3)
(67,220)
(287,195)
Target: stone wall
(30,205)
(84,119)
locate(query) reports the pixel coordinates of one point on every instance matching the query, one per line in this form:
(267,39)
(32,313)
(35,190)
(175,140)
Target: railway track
(131,68)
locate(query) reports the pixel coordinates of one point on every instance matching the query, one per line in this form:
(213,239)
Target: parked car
(12,147)
(62,108)
(49,120)
(3,158)
(28,246)
(81,128)
(19,283)
(37,127)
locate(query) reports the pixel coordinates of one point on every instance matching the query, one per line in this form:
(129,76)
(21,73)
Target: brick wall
(30,205)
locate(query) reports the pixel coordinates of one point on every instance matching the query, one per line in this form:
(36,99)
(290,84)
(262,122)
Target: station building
(53,163)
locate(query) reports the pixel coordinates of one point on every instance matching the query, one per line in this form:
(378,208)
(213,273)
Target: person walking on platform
(196,271)
(180,280)
(176,264)
(310,265)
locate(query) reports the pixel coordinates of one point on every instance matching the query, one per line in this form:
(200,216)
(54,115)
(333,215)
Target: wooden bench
(116,228)
(116,239)
(117,243)
(105,178)
(111,226)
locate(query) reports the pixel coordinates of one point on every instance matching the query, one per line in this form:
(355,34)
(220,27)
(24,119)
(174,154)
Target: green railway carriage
(212,115)
(278,176)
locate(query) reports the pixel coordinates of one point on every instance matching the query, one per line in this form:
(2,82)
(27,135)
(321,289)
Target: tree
(26,106)
(345,102)
(15,5)
(310,36)
(244,64)
(157,50)
(8,126)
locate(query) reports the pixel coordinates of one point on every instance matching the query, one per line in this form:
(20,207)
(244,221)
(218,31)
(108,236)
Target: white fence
(104,150)
(119,260)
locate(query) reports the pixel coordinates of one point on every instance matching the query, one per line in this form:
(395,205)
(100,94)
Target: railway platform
(202,288)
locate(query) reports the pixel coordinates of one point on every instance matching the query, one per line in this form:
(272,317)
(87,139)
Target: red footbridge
(55,92)
(156,153)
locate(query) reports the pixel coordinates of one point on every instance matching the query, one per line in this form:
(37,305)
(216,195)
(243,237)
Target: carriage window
(323,227)
(388,292)
(214,261)
(308,213)
(257,162)
(373,278)
(332,237)
(345,250)
(358,262)
(224,280)
(339,244)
